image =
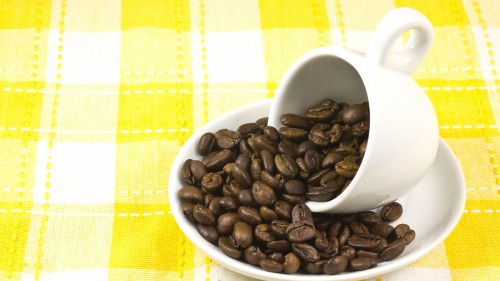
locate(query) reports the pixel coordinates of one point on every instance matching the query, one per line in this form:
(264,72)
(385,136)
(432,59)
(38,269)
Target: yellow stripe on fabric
(155,13)
(17,14)
(149,241)
(443,12)
(476,230)
(462,106)
(288,31)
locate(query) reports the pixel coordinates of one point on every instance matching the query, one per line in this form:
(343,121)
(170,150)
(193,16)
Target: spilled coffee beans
(247,194)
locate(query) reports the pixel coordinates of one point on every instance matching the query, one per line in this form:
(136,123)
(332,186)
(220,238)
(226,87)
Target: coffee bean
(404,231)
(227,139)
(274,182)
(319,194)
(343,235)
(391,211)
(336,265)
(241,176)
(203,215)
(291,263)
(278,227)
(246,198)
(300,231)
(315,267)
(361,129)
(267,214)
(348,252)
(190,193)
(331,159)
(209,232)
(267,161)
(346,169)
(357,264)
(187,210)
(263,232)
(280,246)
(248,128)
(244,161)
(293,199)
(366,254)
(305,252)
(211,182)
(219,159)
(271,133)
(315,179)
(263,194)
(354,114)
(320,241)
(301,212)
(332,181)
(271,265)
(295,187)
(245,148)
(368,218)
(256,169)
(384,230)
(229,203)
(242,234)
(393,250)
(186,174)
(306,146)
(228,248)
(295,121)
(319,134)
(206,144)
(293,134)
(253,255)
(262,122)
(364,241)
(249,215)
(288,147)
(286,165)
(259,143)
(323,112)
(283,209)
(313,160)
(226,222)
(335,134)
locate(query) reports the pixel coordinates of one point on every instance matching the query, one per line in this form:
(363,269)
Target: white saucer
(432,209)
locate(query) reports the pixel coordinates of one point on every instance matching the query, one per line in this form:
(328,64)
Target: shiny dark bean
(226,222)
(366,254)
(271,265)
(228,248)
(242,234)
(263,194)
(364,241)
(293,134)
(291,264)
(202,215)
(286,165)
(331,159)
(295,187)
(191,193)
(335,134)
(244,161)
(271,133)
(313,160)
(248,128)
(262,122)
(246,198)
(357,264)
(346,169)
(249,215)
(245,148)
(267,161)
(343,235)
(186,174)
(219,159)
(348,252)
(319,134)
(293,199)
(319,194)
(315,267)
(368,217)
(393,250)
(229,203)
(227,139)
(315,178)
(332,181)
(211,182)
(259,143)
(256,169)
(384,230)
(278,227)
(187,210)
(206,144)
(336,265)
(283,209)
(267,214)
(288,147)
(295,121)
(306,146)
(241,176)
(361,129)
(305,252)
(253,255)
(404,231)
(209,232)
(280,246)
(354,114)
(391,211)
(323,112)
(264,233)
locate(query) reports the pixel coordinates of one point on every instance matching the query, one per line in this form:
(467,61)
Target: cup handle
(383,51)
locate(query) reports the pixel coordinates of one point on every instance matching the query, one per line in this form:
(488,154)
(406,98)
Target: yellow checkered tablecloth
(97,96)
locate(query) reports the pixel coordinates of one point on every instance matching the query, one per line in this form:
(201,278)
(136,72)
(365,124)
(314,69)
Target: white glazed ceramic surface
(432,209)
(404,133)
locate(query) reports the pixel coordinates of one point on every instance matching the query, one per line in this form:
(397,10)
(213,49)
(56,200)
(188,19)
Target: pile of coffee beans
(247,194)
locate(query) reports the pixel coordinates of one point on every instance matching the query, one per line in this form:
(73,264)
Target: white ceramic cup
(404,133)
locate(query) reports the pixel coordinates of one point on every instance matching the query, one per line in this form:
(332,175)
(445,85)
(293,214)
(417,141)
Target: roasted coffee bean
(346,169)
(271,265)
(186,174)
(295,121)
(319,194)
(334,230)
(228,168)
(231,189)
(286,165)
(263,194)
(301,212)
(357,227)
(391,211)
(209,232)
(242,234)
(315,179)
(187,210)
(288,147)
(227,139)
(323,112)
(295,187)
(262,122)
(280,246)
(263,232)
(331,159)
(241,176)
(347,150)
(228,248)
(291,263)
(206,144)
(293,134)
(366,254)
(347,251)
(278,227)
(368,217)
(381,246)
(313,160)
(362,147)
(322,221)
(364,241)
(215,207)
(273,182)
(248,128)
(404,231)
(335,133)
(191,193)
(219,159)
(332,181)
(211,182)
(384,230)
(245,148)
(267,214)
(244,161)
(246,198)
(300,231)
(354,114)
(202,215)
(226,222)
(305,252)
(293,199)
(271,133)
(393,250)
(253,255)
(315,267)
(304,172)
(283,209)
(343,235)
(361,129)
(249,215)
(357,264)
(319,134)
(229,203)
(267,161)
(306,146)
(207,199)
(320,241)
(259,143)
(256,169)
(336,265)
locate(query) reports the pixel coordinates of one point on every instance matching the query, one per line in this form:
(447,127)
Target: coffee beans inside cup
(247,194)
